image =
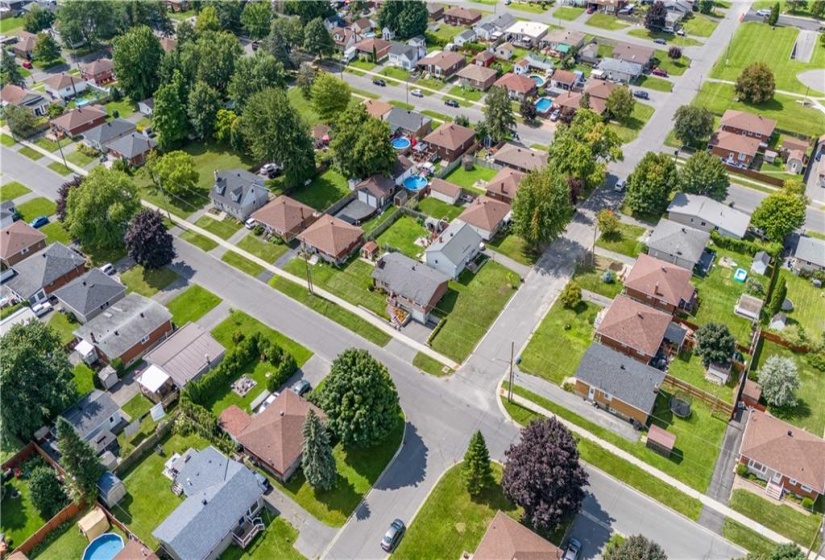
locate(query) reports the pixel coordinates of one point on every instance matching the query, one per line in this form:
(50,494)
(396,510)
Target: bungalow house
(78,121)
(362,26)
(444,191)
(24,98)
(435,11)
(451,140)
(527,33)
(222,507)
(518,87)
(168,44)
(707,214)
(507,538)
(284,217)
(127,329)
(504,51)
(787,458)
(464,37)
(99,137)
(486,216)
(618,384)
(461,16)
(589,54)
(24,47)
(631,52)
(18,241)
(607,6)
(492,27)
(442,64)
(373,49)
(411,286)
(331,239)
(274,438)
(564,80)
(477,76)
(748,124)
(733,149)
(100,72)
(186,354)
(599,91)
(403,56)
(484,58)
(453,249)
(37,276)
(377,108)
(677,243)
(146,107)
(64,86)
(133,148)
(406,122)
(632,328)
(519,158)
(562,41)
(344,38)
(620,70)
(376,191)
(238,193)
(749,307)
(94,417)
(660,284)
(794,153)
(504,185)
(91,294)
(809,254)
(569,102)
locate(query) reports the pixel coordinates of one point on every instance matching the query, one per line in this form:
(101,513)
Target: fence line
(712,400)
(67,513)
(146,445)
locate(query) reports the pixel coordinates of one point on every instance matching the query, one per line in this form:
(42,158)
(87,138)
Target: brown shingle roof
(635,325)
(507,539)
(99,66)
(505,183)
(377,108)
(450,136)
(476,73)
(463,13)
(331,235)
(78,117)
(484,56)
(168,43)
(283,214)
(62,80)
(485,213)
(14,94)
(660,279)
(565,77)
(516,82)
(444,60)
(234,421)
(736,143)
(748,121)
(633,53)
(444,187)
(520,157)
(570,99)
(17,237)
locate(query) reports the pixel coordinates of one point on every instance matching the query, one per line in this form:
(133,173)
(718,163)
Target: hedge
(745,246)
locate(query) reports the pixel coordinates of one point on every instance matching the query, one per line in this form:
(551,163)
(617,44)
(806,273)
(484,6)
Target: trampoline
(680,406)
(401,143)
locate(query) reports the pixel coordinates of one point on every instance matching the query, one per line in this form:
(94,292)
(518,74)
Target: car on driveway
(641,94)
(27,65)
(378,82)
(416,93)
(763,13)
(41,309)
(620,186)
(451,103)
(659,72)
(39,222)
(393,535)
(301,387)
(574,548)
(108,269)
(660,41)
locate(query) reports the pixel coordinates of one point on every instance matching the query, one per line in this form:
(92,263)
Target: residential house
(100,136)
(8,212)
(186,354)
(419,42)
(24,98)
(19,317)
(374,49)
(453,249)
(564,80)
(660,284)
(442,64)
(127,329)
(99,72)
(444,191)
(599,91)
(376,191)
(285,217)
(24,47)
(569,102)
(461,16)
(504,185)
(333,21)
(749,307)
(362,25)
(40,274)
(377,108)
(177,6)
(748,124)
(735,150)
(90,295)
(238,193)
(808,255)
(607,6)
(274,438)
(589,54)
(484,58)
(451,140)
(618,383)
(344,38)
(522,67)
(94,417)
(464,37)
(133,148)
(562,41)
(677,243)
(477,76)
(707,214)
(435,11)
(78,121)
(18,241)
(146,107)
(404,167)
(632,328)
(486,216)
(408,123)
(493,26)
(168,44)
(631,52)
(64,86)
(506,538)
(620,70)
(519,158)
(504,51)
(222,507)
(332,239)
(788,458)
(527,33)
(413,287)
(403,56)
(518,87)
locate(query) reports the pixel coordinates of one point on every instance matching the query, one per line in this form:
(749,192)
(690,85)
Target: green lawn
(467,179)
(669,37)
(470,307)
(12,190)
(55,232)
(20,519)
(688,367)
(469,94)
(401,104)
(808,301)
(444,34)
(242,263)
(530,7)
(673,67)
(568,13)
(431,83)
(83,379)
(590,278)
(147,282)
(658,84)
(451,521)
(438,209)
(66,541)
(327,188)
(718,294)
(423,362)
(192,304)
(11,24)
(700,25)
(208,159)
(747,538)
(604,21)
(46,144)
(396,73)
(6,140)
(303,106)
(277,541)
(402,235)
(79,158)
(772,45)
(363,64)
(61,325)
(137,406)
(781,518)
(628,131)
(266,250)
(626,241)
(124,108)
(513,246)
(203,243)
(35,207)
(224,229)
(59,168)
(30,153)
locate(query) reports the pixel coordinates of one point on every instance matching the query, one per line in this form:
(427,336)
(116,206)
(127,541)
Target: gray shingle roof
(456,242)
(621,376)
(186,354)
(43,268)
(713,212)
(406,120)
(400,49)
(90,412)
(623,66)
(231,186)
(90,292)
(677,239)
(410,279)
(109,131)
(132,145)
(811,250)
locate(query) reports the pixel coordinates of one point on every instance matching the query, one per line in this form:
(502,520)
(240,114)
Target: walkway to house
(630,261)
(598,299)
(313,536)
(520,269)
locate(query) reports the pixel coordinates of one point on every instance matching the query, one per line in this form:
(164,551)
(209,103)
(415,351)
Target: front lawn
(604,21)
(61,325)
(326,189)
(781,518)
(402,236)
(83,379)
(35,207)
(568,13)
(425,363)
(199,241)
(6,140)
(513,246)
(20,519)
(531,7)
(700,25)
(438,209)
(192,304)
(747,538)
(589,277)
(303,106)
(242,263)
(669,37)
(673,67)
(471,305)
(79,158)
(467,179)
(224,229)
(808,303)
(277,541)
(147,282)
(628,131)
(718,294)
(46,144)
(468,94)
(8,25)
(12,190)
(654,83)
(55,232)
(396,73)
(60,169)
(266,250)
(626,241)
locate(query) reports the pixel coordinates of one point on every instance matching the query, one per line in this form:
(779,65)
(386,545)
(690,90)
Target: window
(704,223)
(608,397)
(24,250)
(793,482)
(806,488)
(742,157)
(145,339)
(753,465)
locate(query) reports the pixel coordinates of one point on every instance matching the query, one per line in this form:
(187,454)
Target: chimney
(117,333)
(84,282)
(656,289)
(656,388)
(215,173)
(92,336)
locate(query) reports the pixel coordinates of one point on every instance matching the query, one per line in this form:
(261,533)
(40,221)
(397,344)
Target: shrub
(571,295)
(237,337)
(115,94)
(259,230)
(608,277)
(118,366)
(808,503)
(116,114)
(744,245)
(741,469)
(754,287)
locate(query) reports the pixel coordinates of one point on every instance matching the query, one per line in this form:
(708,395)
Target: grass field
(700,25)
(530,7)
(147,282)
(626,241)
(192,304)
(443,35)
(688,367)
(469,94)
(61,325)
(6,140)
(438,209)
(654,83)
(277,541)
(266,250)
(35,207)
(423,362)
(327,188)
(513,246)
(718,294)
(628,131)
(402,236)
(79,158)
(66,542)
(467,179)
(809,305)
(395,72)
(590,278)
(568,13)
(781,518)
(673,67)
(20,518)
(30,153)
(83,379)
(203,243)
(748,539)
(303,106)
(242,263)
(669,37)
(604,21)
(224,229)
(12,190)
(11,24)
(58,167)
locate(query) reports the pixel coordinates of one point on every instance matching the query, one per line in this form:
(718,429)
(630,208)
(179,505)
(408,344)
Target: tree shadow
(410,466)
(594,529)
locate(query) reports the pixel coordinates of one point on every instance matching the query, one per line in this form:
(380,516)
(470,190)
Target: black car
(381,83)
(393,535)
(641,94)
(451,103)
(660,41)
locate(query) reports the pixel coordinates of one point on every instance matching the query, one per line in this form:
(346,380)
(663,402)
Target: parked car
(554,116)
(41,309)
(270,170)
(763,13)
(26,64)
(39,222)
(641,94)
(573,550)
(659,72)
(591,10)
(379,82)
(681,32)
(107,269)
(416,93)
(301,387)
(393,535)
(451,103)
(660,41)
(250,223)
(620,186)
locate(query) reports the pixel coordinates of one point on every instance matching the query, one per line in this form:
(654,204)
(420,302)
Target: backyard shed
(748,307)
(761,262)
(93,524)
(752,394)
(660,440)
(108,375)
(86,352)
(112,489)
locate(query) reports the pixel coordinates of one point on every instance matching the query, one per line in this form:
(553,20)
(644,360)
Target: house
(362,26)
(377,108)
(660,284)
(99,137)
(133,148)
(599,91)
(589,54)
(376,191)
(444,191)
(748,307)
(564,80)
(8,212)
(435,11)
(620,71)
(344,38)
(569,102)
(403,56)
(222,506)
(464,37)
(504,51)
(24,47)
(809,254)
(607,6)
(676,243)
(492,27)
(734,149)
(404,167)
(238,193)
(24,98)
(453,249)
(186,354)
(146,107)
(484,58)
(504,185)
(477,76)
(788,458)
(519,87)
(332,239)
(78,121)
(707,214)
(794,153)
(419,42)
(562,41)
(539,62)
(411,286)
(274,438)
(168,44)
(91,294)
(527,33)
(408,123)
(127,329)
(94,417)
(374,49)
(284,217)
(451,140)
(177,6)
(486,215)
(64,86)
(99,72)
(37,276)
(18,241)
(638,54)
(632,328)
(508,539)
(519,158)
(461,16)
(748,124)
(442,64)
(762,261)
(618,384)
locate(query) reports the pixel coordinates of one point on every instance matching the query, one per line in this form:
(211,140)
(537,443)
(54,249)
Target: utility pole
(60,147)
(163,195)
(309,272)
(512,373)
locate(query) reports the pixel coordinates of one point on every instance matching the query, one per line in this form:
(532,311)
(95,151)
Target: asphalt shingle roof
(109,131)
(405,120)
(90,291)
(456,242)
(679,240)
(132,145)
(90,412)
(410,279)
(231,186)
(713,212)
(43,268)
(811,250)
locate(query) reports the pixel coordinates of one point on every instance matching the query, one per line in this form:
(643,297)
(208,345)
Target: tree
(47,494)
(204,104)
(546,447)
(650,184)
(779,214)
(253,74)
(137,56)
(407,18)
(37,19)
(36,377)
(475,470)
(527,110)
(305,79)
(21,121)
(308,10)
(755,84)
(330,96)
(692,125)
(256,18)
(225,122)
(217,54)
(636,547)
(786,551)
(9,70)
(706,7)
(46,50)
(571,295)
(674,53)
(229,14)
(317,39)
(619,104)
(148,241)
(63,194)
(360,399)
(780,380)
(780,292)
(498,114)
(80,461)
(317,460)
(794,185)
(704,174)
(134,13)
(818,9)
(361,145)
(656,16)
(173,172)
(715,344)
(81,22)
(99,210)
(207,20)
(607,222)
(773,18)
(582,149)
(541,209)
(795,6)
(170,118)
(284,34)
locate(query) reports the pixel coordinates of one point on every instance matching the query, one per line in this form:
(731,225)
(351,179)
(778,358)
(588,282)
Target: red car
(591,9)
(27,64)
(659,72)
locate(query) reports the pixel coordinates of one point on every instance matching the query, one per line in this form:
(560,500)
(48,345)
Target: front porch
(247,531)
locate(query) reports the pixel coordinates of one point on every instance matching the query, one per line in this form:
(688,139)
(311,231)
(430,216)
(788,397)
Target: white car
(107,269)
(620,186)
(250,223)
(416,93)
(763,13)
(41,309)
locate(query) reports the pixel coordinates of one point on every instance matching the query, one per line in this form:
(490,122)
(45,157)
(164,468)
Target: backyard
(61,325)
(303,106)
(808,303)
(147,282)
(626,241)
(20,519)
(192,304)
(275,542)
(467,179)
(327,188)
(688,367)
(83,379)
(402,236)
(438,209)
(66,542)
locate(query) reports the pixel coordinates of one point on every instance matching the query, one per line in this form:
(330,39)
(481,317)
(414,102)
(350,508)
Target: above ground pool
(740,275)
(538,79)
(415,183)
(543,105)
(400,143)
(104,547)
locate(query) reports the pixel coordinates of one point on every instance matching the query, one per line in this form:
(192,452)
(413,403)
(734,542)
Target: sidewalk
(598,299)
(630,261)
(313,536)
(520,269)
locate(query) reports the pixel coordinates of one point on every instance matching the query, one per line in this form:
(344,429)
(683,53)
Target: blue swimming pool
(415,183)
(104,547)
(740,275)
(543,105)
(538,79)
(400,143)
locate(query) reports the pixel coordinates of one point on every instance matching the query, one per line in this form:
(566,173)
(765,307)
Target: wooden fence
(67,513)
(146,445)
(775,338)
(715,403)
(26,453)
(775,181)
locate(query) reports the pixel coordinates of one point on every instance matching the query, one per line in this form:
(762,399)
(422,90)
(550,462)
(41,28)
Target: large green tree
(36,377)
(217,55)
(253,74)
(692,125)
(779,214)
(407,18)
(650,184)
(317,460)
(755,84)
(542,208)
(360,399)
(715,344)
(47,494)
(636,547)
(82,22)
(207,20)
(256,18)
(704,174)
(37,19)
(9,70)
(619,104)
(21,121)
(330,96)
(173,172)
(785,551)
(285,34)
(317,39)
(46,50)
(361,144)
(80,462)
(203,106)
(499,119)
(780,381)
(137,55)
(170,118)
(308,10)
(582,149)
(475,470)
(778,295)
(304,79)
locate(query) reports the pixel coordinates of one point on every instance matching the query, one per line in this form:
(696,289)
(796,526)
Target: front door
(777,478)
(591,393)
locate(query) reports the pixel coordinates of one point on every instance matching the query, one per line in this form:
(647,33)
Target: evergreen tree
(47,494)
(80,462)
(780,291)
(476,471)
(498,114)
(10,71)
(317,460)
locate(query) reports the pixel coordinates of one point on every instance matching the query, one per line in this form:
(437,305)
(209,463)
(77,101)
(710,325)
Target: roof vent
(790,433)
(639,315)
(621,366)
(142,316)
(282,413)
(203,501)
(117,333)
